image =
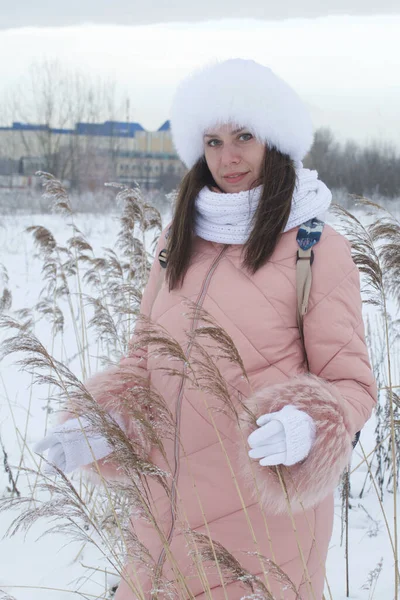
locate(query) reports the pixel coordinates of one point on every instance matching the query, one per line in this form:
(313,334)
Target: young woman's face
(234,157)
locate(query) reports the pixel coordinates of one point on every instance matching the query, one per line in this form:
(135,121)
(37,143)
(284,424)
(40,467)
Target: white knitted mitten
(68,448)
(283,438)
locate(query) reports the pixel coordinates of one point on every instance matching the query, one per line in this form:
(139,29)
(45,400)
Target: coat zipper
(199,303)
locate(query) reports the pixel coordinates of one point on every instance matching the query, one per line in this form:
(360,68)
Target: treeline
(370,170)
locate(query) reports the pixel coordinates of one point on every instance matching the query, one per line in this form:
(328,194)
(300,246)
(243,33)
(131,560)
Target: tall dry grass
(376,251)
(102,297)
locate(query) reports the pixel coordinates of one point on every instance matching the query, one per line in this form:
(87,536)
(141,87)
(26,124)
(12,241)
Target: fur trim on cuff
(105,387)
(310,481)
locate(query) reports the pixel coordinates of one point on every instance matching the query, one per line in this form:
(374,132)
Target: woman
(231,251)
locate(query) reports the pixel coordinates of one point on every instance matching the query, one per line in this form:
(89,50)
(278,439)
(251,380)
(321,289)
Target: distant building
(93,152)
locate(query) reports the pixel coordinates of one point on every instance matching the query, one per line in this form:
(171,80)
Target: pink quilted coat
(211,476)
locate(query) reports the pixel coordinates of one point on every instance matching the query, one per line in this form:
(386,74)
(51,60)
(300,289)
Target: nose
(230,155)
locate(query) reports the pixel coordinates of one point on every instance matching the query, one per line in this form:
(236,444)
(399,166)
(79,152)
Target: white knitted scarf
(227,218)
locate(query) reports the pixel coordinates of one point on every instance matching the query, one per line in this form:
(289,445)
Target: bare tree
(56,99)
(364,170)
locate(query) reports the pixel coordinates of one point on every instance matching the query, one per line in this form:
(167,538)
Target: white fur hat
(246,94)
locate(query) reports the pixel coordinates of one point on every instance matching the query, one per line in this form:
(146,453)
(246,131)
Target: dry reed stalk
(379,260)
(201,574)
(54,268)
(30,516)
(50,589)
(68,505)
(394,459)
(20,438)
(147,513)
(59,324)
(23,437)
(214,552)
(208,379)
(204,368)
(57,194)
(214,424)
(370,453)
(197,560)
(321,563)
(146,217)
(346,501)
(198,555)
(380,503)
(7,469)
(92,495)
(258,496)
(164,345)
(138,499)
(6,296)
(175,566)
(75,243)
(211,379)
(39,358)
(283,485)
(216,386)
(179,352)
(234,478)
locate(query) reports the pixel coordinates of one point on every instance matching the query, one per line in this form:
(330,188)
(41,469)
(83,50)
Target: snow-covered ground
(50,568)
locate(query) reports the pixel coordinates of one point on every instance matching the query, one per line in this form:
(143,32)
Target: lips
(235,177)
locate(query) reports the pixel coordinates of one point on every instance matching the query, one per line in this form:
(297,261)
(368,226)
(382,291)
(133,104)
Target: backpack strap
(308,235)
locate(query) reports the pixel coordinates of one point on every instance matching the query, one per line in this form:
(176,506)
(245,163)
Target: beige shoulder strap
(303,287)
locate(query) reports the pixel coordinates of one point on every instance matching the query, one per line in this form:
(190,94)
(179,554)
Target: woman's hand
(69,449)
(283,438)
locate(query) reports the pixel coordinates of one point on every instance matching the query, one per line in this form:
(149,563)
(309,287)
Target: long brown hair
(278,177)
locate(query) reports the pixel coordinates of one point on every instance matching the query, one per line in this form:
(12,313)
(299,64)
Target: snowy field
(53,568)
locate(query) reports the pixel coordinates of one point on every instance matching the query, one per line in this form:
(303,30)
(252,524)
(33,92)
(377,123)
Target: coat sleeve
(335,335)
(340,391)
(108,386)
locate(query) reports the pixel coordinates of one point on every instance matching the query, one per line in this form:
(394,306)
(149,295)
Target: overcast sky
(133,12)
(345,67)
